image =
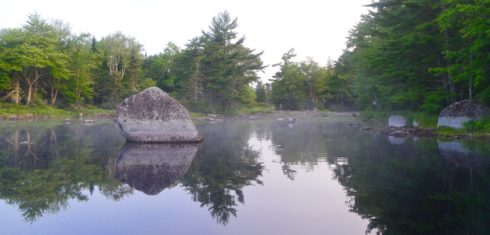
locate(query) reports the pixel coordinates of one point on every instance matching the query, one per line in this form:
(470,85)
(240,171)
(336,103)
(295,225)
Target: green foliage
(425,119)
(449,132)
(261,92)
(419,55)
(7,110)
(162,68)
(212,73)
(43,63)
(227,67)
(252,109)
(478,126)
(306,85)
(121,72)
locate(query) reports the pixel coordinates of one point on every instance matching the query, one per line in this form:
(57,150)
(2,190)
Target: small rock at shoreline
(397,121)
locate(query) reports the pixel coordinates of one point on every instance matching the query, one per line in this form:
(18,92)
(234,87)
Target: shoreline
(379,121)
(50,113)
(352,119)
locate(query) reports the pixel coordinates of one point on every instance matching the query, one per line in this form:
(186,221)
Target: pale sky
(315,28)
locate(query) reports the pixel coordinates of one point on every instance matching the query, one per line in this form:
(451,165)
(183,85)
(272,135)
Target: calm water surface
(247,177)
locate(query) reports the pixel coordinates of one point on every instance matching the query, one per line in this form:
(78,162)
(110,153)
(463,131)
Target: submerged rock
(456,114)
(150,168)
(397,121)
(154,116)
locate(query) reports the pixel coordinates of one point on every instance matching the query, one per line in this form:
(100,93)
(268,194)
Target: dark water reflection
(150,168)
(290,175)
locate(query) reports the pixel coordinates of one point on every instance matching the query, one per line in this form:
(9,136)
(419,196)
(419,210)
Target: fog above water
(312,176)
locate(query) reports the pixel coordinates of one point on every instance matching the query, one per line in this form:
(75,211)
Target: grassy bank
(252,109)
(12,111)
(242,110)
(478,128)
(381,118)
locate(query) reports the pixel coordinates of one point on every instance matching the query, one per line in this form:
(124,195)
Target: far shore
(352,119)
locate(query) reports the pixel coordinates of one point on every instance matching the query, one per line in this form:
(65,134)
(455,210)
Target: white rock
(397,121)
(453,122)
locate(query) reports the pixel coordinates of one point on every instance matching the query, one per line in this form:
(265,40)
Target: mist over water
(247,177)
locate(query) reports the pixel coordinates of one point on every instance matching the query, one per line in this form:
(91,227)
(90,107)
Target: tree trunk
(15,94)
(448,79)
(470,81)
(54,95)
(31,85)
(470,89)
(29,92)
(78,90)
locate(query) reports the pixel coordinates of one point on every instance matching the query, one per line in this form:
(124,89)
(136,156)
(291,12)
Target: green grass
(195,115)
(449,132)
(381,117)
(93,111)
(249,109)
(8,110)
(253,109)
(477,128)
(425,120)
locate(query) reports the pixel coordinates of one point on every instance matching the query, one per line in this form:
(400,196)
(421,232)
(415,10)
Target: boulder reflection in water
(150,168)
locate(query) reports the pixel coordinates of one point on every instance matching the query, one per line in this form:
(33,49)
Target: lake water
(315,176)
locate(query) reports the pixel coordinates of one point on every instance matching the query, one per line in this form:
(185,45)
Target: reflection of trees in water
(414,188)
(225,164)
(302,144)
(41,168)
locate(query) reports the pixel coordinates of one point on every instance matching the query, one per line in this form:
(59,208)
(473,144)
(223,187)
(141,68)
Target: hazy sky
(315,28)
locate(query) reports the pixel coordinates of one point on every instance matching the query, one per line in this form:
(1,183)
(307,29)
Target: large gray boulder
(456,114)
(150,168)
(152,116)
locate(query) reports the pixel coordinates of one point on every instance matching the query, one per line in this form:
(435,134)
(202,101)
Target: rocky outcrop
(153,116)
(150,168)
(456,114)
(408,131)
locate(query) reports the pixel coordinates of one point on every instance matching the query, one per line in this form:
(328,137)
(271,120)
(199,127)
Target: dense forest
(420,55)
(44,63)
(417,55)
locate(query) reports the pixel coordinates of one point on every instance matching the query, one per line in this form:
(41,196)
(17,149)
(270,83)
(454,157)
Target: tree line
(45,63)
(306,85)
(418,55)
